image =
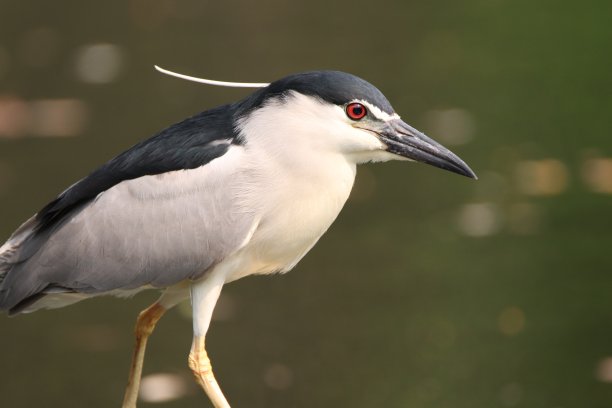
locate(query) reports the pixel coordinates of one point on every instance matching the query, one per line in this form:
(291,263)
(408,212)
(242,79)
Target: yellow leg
(144,327)
(202,369)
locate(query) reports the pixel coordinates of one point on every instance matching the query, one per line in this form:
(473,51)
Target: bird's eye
(356,111)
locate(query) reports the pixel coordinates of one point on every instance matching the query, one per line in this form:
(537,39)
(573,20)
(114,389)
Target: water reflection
(164,387)
(604,370)
(597,174)
(480,219)
(42,117)
(99,63)
(542,177)
(451,127)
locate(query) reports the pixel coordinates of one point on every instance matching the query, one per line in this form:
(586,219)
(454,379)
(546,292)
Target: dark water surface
(430,290)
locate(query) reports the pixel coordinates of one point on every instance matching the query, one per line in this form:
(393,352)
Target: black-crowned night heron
(242,189)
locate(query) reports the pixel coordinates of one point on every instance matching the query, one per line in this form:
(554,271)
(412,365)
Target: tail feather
(10,252)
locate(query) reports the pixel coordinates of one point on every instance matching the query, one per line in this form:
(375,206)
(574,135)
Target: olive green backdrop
(430,290)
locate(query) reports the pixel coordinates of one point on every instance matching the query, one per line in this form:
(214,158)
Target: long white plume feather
(213,82)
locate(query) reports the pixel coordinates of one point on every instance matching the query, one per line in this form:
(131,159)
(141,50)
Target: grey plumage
(115,242)
(100,234)
(184,145)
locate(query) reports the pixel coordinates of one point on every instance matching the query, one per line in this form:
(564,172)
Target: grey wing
(151,231)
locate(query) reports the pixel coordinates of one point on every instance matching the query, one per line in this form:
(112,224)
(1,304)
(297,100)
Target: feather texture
(200,196)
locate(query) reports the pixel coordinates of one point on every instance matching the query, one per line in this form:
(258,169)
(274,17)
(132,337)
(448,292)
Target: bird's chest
(300,206)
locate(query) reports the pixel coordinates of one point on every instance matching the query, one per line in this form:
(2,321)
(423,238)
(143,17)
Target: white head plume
(213,82)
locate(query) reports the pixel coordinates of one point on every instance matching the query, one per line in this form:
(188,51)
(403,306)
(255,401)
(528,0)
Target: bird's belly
(278,244)
(283,241)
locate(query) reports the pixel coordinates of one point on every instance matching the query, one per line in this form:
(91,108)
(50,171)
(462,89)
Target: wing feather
(185,145)
(159,213)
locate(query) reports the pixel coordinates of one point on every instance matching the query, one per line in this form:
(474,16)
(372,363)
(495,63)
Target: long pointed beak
(404,140)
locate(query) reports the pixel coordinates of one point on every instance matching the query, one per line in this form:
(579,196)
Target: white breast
(298,186)
(297,207)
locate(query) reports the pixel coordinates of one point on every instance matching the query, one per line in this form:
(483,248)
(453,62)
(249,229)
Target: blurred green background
(430,290)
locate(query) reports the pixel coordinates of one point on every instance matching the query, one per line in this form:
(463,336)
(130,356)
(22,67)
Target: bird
(245,188)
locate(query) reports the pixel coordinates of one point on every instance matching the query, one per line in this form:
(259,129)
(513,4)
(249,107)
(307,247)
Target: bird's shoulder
(188,144)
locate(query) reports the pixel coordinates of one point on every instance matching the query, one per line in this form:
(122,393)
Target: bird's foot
(202,369)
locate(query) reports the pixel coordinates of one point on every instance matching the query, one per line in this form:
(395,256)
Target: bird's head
(335,112)
(340,112)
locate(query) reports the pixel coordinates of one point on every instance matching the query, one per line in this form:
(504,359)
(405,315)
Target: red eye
(356,111)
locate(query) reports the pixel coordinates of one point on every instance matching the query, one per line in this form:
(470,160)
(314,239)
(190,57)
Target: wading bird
(242,189)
